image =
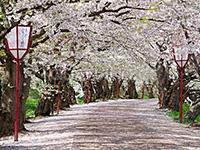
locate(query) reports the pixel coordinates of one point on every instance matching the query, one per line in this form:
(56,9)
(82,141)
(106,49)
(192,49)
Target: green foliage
(34,93)
(1,15)
(31,105)
(154,6)
(186,107)
(144,19)
(175,115)
(146,96)
(80,101)
(1,18)
(2,53)
(32,102)
(198,119)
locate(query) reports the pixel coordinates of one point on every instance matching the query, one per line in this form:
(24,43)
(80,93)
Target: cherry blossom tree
(124,37)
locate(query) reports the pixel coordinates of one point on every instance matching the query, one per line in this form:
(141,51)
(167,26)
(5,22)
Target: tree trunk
(98,89)
(48,102)
(171,97)
(116,84)
(142,90)
(149,88)
(105,88)
(131,92)
(163,81)
(88,91)
(66,96)
(72,95)
(8,101)
(45,106)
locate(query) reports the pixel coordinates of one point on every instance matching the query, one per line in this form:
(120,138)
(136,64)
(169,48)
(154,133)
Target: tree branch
(105,10)
(40,41)
(148,19)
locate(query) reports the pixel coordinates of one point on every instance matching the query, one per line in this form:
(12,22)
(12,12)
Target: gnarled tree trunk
(49,102)
(115,87)
(131,92)
(149,88)
(163,82)
(45,106)
(105,88)
(88,91)
(98,89)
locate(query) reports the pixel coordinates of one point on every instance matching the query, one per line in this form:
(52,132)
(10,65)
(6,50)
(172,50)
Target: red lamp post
(181,58)
(17,42)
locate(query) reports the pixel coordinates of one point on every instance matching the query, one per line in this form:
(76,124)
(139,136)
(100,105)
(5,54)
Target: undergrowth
(32,102)
(175,115)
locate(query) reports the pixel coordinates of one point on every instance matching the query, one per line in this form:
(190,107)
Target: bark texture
(49,100)
(88,90)
(115,87)
(131,92)
(162,72)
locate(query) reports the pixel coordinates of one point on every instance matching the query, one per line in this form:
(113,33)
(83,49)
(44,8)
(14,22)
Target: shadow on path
(117,125)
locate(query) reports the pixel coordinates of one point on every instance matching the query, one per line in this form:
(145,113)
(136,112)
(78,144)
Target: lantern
(17,41)
(180,56)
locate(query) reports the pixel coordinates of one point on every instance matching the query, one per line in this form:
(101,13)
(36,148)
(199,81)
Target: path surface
(113,125)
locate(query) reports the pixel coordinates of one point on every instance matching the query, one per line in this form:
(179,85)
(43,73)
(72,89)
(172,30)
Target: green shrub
(80,100)
(34,93)
(32,102)
(146,96)
(175,115)
(31,105)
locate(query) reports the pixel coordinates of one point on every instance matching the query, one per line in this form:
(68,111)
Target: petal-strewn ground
(112,125)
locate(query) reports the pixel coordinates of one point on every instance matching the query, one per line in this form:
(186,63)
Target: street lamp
(17,42)
(181,57)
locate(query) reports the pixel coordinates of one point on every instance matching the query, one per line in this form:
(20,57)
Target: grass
(175,115)
(146,96)
(32,102)
(31,105)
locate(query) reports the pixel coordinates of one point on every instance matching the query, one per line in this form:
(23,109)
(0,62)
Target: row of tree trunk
(50,100)
(58,93)
(100,89)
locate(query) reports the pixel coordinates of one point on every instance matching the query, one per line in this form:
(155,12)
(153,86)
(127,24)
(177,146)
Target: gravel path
(112,125)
